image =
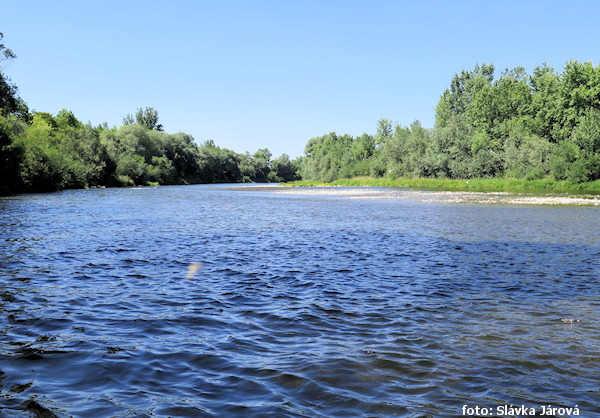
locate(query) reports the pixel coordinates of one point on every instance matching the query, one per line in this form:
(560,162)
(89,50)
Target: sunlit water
(305,305)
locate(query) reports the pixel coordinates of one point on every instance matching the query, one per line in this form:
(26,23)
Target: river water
(306,304)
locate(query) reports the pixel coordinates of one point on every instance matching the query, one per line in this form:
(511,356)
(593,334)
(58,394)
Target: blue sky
(254,74)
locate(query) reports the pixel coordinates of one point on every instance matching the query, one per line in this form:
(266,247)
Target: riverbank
(474,185)
(440,196)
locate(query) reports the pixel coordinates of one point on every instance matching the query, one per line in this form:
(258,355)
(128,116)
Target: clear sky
(256,73)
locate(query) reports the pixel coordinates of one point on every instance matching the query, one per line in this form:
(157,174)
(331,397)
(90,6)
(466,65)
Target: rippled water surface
(305,305)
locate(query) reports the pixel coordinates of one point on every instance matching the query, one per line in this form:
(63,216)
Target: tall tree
(261,162)
(384,131)
(8,91)
(580,91)
(148,117)
(13,112)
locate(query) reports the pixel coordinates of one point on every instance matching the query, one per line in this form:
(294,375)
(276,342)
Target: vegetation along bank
(518,131)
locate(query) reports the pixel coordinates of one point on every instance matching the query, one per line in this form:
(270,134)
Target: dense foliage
(44,152)
(50,152)
(543,125)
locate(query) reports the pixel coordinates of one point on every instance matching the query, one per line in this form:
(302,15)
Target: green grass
(475,185)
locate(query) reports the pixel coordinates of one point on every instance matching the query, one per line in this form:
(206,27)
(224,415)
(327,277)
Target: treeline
(532,126)
(543,125)
(44,152)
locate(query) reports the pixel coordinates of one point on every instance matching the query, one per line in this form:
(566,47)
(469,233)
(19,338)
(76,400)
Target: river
(342,302)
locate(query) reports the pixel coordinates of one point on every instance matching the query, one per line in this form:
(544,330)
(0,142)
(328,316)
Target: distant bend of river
(304,304)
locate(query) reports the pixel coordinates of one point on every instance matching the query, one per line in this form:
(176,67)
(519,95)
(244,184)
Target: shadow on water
(303,307)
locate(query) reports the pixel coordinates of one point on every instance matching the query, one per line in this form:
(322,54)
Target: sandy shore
(432,196)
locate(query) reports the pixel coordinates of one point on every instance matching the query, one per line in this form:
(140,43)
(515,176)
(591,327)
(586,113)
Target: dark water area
(304,305)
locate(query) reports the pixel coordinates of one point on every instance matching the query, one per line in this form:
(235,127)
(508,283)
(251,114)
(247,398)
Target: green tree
(132,170)
(527,155)
(8,92)
(43,167)
(324,157)
(283,169)
(88,160)
(580,91)
(449,152)
(545,102)
(563,159)
(13,114)
(261,164)
(463,90)
(384,131)
(128,119)
(162,171)
(486,160)
(247,168)
(359,155)
(586,137)
(510,100)
(218,165)
(181,150)
(148,117)
(391,156)
(65,119)
(578,157)
(11,153)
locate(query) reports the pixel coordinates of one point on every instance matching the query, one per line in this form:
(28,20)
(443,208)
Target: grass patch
(476,185)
